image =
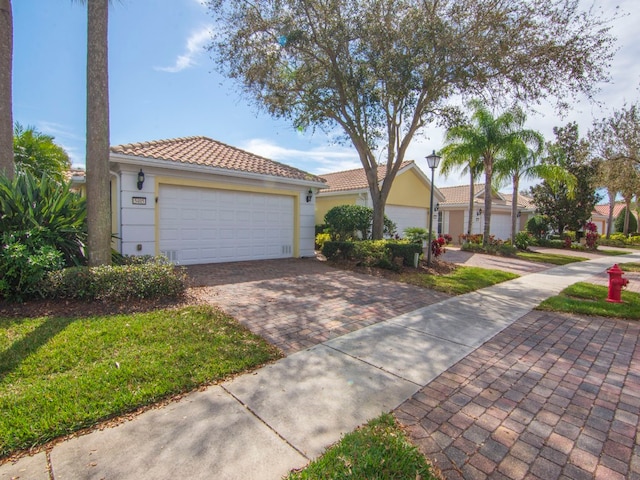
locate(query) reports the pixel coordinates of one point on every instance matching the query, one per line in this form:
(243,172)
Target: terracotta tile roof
(459,194)
(207,152)
(523,200)
(603,210)
(353,179)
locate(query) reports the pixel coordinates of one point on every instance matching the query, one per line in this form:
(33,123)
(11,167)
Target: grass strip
(588,299)
(378,450)
(613,253)
(552,258)
(629,267)
(461,280)
(59,375)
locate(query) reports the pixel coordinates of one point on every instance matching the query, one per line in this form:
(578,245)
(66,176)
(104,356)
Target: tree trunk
(471,195)
(488,179)
(514,207)
(98,189)
(612,204)
(7,164)
(627,213)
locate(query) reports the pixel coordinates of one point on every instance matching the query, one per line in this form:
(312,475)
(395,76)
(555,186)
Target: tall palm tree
(456,156)
(98,189)
(489,138)
(6,110)
(520,162)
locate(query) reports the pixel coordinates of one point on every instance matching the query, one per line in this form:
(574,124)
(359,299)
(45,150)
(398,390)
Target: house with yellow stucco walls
(407,204)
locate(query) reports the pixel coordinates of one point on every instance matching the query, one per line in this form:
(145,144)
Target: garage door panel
(200,225)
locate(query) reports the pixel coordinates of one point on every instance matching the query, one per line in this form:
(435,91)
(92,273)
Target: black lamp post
(432,160)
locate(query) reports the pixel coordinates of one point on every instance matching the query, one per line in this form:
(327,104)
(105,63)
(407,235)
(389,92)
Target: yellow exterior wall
(408,190)
(324,204)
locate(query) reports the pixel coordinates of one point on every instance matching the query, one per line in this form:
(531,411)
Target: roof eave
(190,167)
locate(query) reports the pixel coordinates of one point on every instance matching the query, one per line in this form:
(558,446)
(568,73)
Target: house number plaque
(139,200)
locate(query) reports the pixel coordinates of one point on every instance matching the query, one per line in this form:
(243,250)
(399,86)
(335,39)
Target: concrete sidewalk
(261,425)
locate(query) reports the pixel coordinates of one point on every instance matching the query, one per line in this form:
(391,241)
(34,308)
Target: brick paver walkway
(298,303)
(553,396)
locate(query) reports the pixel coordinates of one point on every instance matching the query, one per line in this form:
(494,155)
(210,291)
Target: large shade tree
(380,70)
(564,207)
(6,111)
(615,141)
(490,139)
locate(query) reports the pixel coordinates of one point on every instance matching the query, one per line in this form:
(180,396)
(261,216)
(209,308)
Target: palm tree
(6,110)
(489,138)
(520,162)
(455,156)
(98,189)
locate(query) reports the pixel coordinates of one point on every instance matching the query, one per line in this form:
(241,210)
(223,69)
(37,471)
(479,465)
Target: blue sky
(163,84)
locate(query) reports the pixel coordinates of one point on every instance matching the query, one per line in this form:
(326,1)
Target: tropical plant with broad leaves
(44,212)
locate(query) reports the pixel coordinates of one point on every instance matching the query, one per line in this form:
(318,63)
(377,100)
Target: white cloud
(194,48)
(316,160)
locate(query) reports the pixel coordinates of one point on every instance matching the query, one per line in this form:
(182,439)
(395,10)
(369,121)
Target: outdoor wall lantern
(140,179)
(479,212)
(309,195)
(432,160)
(437,207)
(518,214)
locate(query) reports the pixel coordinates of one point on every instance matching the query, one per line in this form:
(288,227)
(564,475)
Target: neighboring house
(600,216)
(407,204)
(197,200)
(454,212)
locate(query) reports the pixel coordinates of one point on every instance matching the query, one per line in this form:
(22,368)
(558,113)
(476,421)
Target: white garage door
(200,225)
(405,217)
(500,225)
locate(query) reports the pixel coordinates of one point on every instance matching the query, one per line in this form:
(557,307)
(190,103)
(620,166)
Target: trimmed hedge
(378,253)
(154,279)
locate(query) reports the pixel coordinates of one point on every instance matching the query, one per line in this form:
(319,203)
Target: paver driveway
(298,303)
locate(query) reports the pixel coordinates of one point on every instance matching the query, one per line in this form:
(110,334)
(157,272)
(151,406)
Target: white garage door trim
(207,225)
(405,217)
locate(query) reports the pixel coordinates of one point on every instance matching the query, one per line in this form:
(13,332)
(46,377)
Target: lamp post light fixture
(432,160)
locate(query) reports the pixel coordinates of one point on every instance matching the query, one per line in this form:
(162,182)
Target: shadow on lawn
(21,349)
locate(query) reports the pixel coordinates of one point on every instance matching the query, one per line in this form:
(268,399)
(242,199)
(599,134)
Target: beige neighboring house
(600,216)
(197,200)
(454,212)
(407,204)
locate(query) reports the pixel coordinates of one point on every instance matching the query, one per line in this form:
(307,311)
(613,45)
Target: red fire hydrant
(616,284)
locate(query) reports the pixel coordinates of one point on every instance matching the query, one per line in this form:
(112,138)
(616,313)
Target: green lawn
(58,375)
(461,280)
(379,450)
(552,258)
(630,267)
(588,299)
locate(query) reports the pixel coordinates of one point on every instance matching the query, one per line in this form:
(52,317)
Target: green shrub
(353,222)
(332,249)
(153,279)
(23,265)
(538,226)
(371,252)
(404,250)
(523,240)
(557,243)
(416,235)
(46,211)
(619,222)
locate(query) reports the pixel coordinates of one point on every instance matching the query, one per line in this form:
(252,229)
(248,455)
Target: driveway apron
(298,303)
